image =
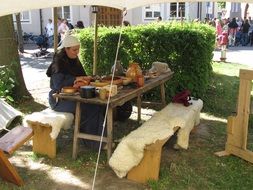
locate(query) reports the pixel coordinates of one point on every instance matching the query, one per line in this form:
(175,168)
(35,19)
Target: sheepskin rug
(56,120)
(130,150)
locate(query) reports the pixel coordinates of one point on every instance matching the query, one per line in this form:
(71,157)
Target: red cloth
(224,38)
(182,98)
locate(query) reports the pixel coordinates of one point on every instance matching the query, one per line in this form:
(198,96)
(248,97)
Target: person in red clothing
(223,43)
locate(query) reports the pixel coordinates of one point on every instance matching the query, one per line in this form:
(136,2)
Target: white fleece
(56,120)
(185,118)
(130,150)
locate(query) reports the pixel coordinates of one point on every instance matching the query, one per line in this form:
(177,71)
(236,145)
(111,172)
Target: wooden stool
(8,144)
(42,142)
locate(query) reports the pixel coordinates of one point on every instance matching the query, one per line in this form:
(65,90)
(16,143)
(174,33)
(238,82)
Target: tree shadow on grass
(28,105)
(62,172)
(41,179)
(40,172)
(198,167)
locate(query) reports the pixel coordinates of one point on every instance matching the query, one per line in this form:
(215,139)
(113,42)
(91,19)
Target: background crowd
(62,27)
(238,31)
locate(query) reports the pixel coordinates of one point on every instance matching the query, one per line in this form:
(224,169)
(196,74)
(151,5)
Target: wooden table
(123,96)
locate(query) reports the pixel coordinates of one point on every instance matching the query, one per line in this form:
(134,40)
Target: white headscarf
(69,41)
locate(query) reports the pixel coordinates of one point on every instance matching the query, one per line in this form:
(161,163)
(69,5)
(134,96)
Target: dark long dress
(63,72)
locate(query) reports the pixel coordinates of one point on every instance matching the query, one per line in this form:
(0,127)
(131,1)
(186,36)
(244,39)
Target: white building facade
(34,21)
(238,10)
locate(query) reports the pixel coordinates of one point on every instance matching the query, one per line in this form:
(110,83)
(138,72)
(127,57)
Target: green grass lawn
(195,168)
(198,167)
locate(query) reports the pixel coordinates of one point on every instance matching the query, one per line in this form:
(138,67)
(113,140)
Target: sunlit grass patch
(198,167)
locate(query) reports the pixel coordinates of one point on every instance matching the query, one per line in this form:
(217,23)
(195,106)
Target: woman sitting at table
(66,70)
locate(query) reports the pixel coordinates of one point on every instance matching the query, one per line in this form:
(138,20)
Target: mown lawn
(198,167)
(195,168)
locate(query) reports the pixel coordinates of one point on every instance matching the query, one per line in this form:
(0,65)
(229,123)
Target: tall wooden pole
(246,11)
(19,33)
(95,44)
(181,14)
(55,29)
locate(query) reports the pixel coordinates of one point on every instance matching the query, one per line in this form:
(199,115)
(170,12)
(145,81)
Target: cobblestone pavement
(34,72)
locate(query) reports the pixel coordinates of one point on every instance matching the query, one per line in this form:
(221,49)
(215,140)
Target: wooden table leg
(109,132)
(76,130)
(139,107)
(163,95)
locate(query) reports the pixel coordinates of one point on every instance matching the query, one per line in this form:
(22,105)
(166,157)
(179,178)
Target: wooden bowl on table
(126,80)
(69,89)
(116,80)
(99,84)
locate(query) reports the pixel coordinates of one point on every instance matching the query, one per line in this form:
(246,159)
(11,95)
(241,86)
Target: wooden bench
(42,142)
(170,119)
(149,167)
(46,126)
(10,142)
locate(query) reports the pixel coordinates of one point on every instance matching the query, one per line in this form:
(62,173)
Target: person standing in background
(79,24)
(63,28)
(239,23)
(126,23)
(245,31)
(159,19)
(70,26)
(218,29)
(233,27)
(250,21)
(59,21)
(50,32)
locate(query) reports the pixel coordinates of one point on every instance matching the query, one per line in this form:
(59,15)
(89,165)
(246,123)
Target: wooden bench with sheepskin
(138,155)
(46,126)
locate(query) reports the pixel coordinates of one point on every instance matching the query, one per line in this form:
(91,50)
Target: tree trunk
(246,11)
(19,33)
(9,54)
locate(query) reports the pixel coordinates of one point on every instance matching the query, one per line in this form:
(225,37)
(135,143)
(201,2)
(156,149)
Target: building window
(25,17)
(176,8)
(64,12)
(209,9)
(152,11)
(235,7)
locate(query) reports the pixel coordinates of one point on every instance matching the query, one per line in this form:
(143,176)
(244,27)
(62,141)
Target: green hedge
(187,48)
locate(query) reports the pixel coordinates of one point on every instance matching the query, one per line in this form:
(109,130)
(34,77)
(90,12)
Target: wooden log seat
(8,144)
(138,154)
(46,126)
